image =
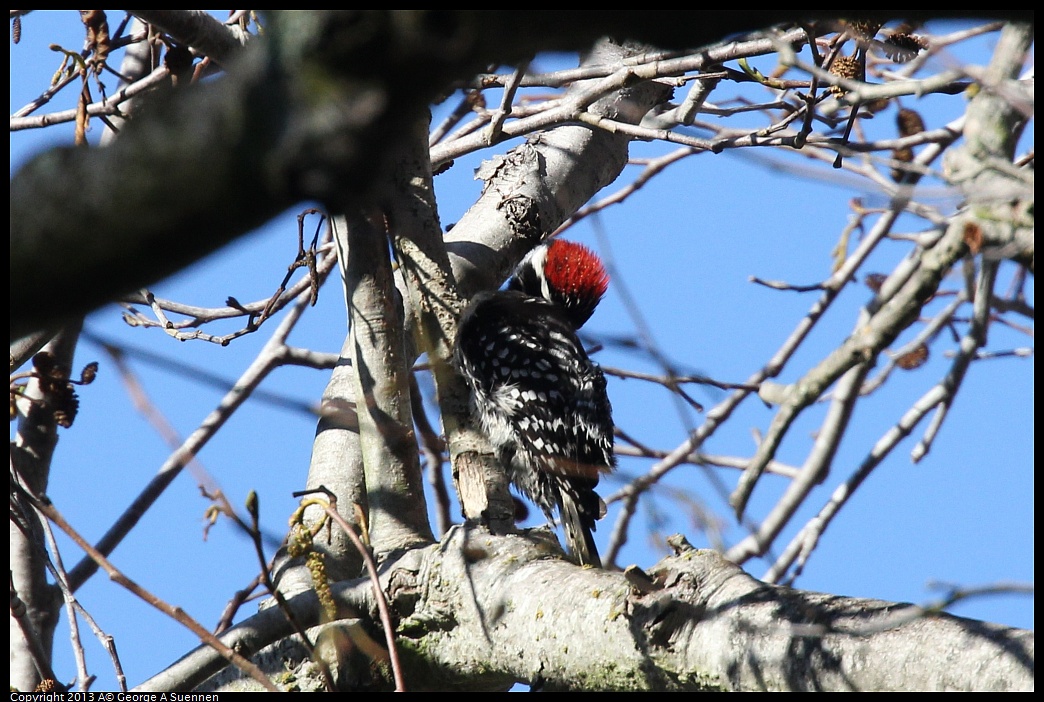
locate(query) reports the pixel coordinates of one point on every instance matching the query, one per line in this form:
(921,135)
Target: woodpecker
(538,397)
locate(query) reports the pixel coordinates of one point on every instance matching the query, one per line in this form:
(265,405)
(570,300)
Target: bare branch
(397,514)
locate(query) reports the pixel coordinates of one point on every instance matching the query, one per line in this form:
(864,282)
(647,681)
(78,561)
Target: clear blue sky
(685,246)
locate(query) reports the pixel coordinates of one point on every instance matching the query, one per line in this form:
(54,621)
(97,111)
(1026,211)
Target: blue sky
(685,247)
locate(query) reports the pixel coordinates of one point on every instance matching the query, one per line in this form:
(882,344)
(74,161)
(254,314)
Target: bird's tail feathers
(579,539)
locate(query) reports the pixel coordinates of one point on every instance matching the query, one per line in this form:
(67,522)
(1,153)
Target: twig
(578,101)
(496,122)
(467,103)
(256,312)
(652,168)
(698,458)
(780,285)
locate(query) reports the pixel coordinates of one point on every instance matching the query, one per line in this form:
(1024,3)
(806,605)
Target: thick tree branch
(431,291)
(394,487)
(198,29)
(480,612)
(337,465)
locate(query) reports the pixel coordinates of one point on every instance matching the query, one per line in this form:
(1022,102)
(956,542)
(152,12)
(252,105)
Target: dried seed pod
(65,405)
(906,155)
(902,46)
(875,106)
(913,359)
(909,122)
(862,28)
(846,67)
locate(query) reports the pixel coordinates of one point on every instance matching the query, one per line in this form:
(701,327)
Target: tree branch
(394,488)
(486,611)
(200,30)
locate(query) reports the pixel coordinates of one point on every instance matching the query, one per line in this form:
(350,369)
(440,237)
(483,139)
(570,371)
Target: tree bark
(479,612)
